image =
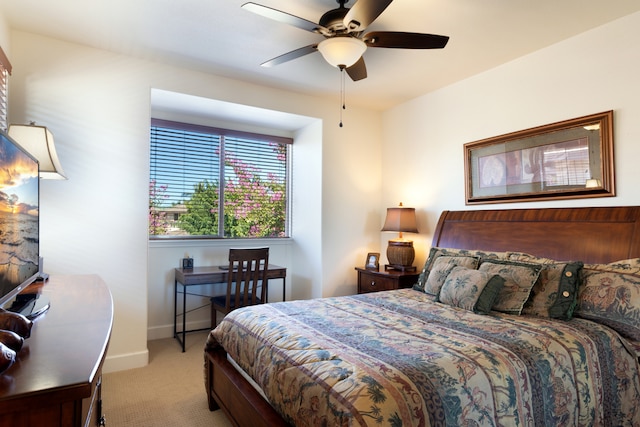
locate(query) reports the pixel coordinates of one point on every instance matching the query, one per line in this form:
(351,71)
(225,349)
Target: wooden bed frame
(591,235)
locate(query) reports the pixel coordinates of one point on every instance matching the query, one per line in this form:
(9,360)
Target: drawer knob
(373,283)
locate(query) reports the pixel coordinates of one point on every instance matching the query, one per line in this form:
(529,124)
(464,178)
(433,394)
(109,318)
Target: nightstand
(373,281)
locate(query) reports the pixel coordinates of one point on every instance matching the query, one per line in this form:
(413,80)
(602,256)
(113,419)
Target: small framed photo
(373,261)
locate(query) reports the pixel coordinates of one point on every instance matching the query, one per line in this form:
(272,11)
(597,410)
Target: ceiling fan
(343,30)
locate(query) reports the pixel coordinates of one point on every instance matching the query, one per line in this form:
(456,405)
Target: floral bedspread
(397,358)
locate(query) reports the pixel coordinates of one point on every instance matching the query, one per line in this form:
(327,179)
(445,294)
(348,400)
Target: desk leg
(184,316)
(175,314)
(284,288)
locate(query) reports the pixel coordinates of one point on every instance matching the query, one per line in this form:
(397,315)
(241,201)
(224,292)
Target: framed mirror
(565,160)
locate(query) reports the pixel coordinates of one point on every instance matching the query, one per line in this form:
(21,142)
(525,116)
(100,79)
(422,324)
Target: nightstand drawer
(372,283)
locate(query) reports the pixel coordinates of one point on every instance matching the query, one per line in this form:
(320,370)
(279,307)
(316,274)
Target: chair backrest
(247,283)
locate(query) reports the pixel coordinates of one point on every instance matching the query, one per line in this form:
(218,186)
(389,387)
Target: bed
(519,317)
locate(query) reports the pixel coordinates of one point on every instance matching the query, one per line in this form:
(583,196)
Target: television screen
(19,218)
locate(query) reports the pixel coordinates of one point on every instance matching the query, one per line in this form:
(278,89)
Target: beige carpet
(167,392)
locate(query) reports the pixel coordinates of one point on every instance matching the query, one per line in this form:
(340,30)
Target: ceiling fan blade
(401,40)
(284,17)
(357,71)
(363,13)
(291,55)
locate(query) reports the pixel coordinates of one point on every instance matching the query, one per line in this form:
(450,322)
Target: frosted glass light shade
(38,141)
(342,51)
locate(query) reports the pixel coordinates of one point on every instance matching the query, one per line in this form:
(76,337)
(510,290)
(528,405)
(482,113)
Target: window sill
(218,243)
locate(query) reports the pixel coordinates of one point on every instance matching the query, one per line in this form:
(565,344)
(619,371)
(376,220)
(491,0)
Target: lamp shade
(38,141)
(342,51)
(401,219)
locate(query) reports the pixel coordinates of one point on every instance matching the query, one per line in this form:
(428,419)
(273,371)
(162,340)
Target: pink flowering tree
(254,202)
(158,223)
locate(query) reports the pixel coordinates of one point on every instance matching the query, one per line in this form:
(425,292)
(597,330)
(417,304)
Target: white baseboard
(166,331)
(140,359)
(122,362)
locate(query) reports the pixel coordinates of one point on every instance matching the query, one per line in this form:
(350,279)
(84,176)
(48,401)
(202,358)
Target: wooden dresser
(56,380)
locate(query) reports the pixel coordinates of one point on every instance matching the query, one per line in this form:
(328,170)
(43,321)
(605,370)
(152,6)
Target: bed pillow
(555,293)
(436,252)
(470,289)
(441,268)
(519,279)
(610,295)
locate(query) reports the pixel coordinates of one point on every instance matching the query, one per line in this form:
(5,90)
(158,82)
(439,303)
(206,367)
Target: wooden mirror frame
(508,168)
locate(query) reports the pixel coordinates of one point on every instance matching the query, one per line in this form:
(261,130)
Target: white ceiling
(218,36)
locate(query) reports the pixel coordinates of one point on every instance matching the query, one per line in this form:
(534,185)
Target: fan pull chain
(342,94)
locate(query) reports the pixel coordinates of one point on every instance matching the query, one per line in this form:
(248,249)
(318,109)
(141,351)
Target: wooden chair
(246,283)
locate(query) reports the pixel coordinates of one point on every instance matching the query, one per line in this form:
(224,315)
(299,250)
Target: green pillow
(470,289)
(519,279)
(555,293)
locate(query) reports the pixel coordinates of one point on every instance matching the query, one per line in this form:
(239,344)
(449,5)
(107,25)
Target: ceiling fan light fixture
(342,51)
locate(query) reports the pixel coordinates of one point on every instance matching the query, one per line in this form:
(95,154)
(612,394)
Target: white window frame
(229,135)
(5,72)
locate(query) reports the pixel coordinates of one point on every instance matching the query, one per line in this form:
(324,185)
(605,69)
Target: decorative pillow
(555,293)
(436,252)
(519,279)
(441,268)
(470,289)
(524,257)
(610,295)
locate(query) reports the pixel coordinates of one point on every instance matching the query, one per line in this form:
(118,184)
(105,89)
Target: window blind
(5,71)
(200,174)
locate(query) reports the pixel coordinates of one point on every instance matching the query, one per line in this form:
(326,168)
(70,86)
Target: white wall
(97,104)
(590,73)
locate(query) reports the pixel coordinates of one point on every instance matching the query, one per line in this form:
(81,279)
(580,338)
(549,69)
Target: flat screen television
(19,222)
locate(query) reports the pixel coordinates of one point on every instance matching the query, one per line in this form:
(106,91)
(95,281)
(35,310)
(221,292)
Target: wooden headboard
(591,235)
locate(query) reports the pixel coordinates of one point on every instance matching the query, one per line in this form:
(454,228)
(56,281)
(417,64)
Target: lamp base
(408,268)
(400,253)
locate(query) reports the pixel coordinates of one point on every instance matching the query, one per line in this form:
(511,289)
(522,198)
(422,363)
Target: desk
(209,276)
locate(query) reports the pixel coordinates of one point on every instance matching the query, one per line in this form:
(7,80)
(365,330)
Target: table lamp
(400,252)
(38,141)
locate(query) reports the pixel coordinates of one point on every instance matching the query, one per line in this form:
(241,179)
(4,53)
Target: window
(199,174)
(5,70)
